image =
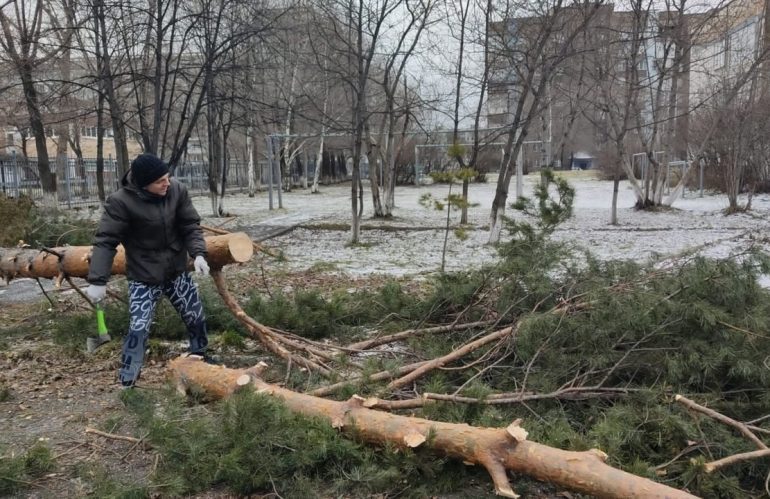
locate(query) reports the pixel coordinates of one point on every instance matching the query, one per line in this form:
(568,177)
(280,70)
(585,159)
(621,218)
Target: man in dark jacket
(154,219)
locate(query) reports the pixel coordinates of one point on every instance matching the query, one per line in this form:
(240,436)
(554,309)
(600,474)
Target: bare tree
(738,156)
(657,81)
(217,31)
(533,40)
(108,84)
(646,106)
(462,27)
(89,85)
(25,29)
(322,137)
(615,51)
(738,79)
(383,148)
(359,28)
(62,105)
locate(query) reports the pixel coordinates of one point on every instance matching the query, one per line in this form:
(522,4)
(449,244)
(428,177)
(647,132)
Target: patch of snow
(695,224)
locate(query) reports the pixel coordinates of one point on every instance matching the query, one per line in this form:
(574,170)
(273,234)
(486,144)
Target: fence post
(700,163)
(16,175)
(269,152)
(2,175)
(65,160)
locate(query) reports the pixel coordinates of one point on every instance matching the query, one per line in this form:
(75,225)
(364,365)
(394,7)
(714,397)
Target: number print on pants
(143,299)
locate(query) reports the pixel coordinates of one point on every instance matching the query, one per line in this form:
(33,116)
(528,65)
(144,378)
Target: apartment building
(669,64)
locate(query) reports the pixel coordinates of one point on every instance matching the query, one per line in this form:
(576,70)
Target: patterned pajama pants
(143,298)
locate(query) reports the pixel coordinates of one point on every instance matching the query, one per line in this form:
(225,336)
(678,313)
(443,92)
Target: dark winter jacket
(157,233)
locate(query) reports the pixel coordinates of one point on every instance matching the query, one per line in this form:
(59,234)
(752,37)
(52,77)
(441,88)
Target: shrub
(23,221)
(16,472)
(15,217)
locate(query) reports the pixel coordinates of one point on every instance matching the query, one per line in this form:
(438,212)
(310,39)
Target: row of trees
(641,77)
(226,73)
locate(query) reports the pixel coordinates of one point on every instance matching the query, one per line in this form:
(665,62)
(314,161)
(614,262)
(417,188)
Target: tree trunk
(503,182)
(100,147)
(615,189)
(107,85)
(355,225)
(73,261)
(319,160)
(374,180)
(47,177)
(497,449)
(215,146)
(224,165)
(318,163)
(252,174)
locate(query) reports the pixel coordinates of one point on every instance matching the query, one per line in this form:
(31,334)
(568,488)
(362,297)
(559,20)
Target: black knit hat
(147,168)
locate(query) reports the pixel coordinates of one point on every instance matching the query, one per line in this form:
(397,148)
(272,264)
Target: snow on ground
(695,224)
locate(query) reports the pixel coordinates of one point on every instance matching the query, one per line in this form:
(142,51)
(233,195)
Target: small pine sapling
(549,212)
(449,203)
(530,248)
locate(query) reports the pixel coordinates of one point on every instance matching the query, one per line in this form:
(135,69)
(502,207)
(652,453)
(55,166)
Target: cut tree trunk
(497,449)
(73,261)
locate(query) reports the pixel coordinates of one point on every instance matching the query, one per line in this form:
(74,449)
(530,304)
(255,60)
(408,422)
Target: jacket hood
(127,182)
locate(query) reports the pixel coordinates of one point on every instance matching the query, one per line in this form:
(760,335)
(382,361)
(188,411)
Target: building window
(93,132)
(88,131)
(712,56)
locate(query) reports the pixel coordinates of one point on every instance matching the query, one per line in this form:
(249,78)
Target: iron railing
(76,183)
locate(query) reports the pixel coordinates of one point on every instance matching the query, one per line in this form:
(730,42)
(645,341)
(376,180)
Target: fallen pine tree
(499,450)
(73,261)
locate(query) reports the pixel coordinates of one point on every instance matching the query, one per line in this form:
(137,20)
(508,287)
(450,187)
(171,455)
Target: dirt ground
(54,396)
(53,400)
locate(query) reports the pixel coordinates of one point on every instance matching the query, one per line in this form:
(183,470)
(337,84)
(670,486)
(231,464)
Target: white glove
(96,292)
(201,266)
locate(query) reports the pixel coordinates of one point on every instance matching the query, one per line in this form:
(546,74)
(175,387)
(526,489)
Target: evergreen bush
(23,221)
(16,473)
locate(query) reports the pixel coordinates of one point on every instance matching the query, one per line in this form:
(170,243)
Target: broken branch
(722,419)
(497,449)
(452,356)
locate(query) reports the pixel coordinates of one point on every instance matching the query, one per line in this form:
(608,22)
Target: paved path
(263,232)
(24,290)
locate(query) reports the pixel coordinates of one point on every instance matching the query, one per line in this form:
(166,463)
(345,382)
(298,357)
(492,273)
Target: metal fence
(77,186)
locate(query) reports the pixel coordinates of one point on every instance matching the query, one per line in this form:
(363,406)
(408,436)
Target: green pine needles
(452,201)
(16,473)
